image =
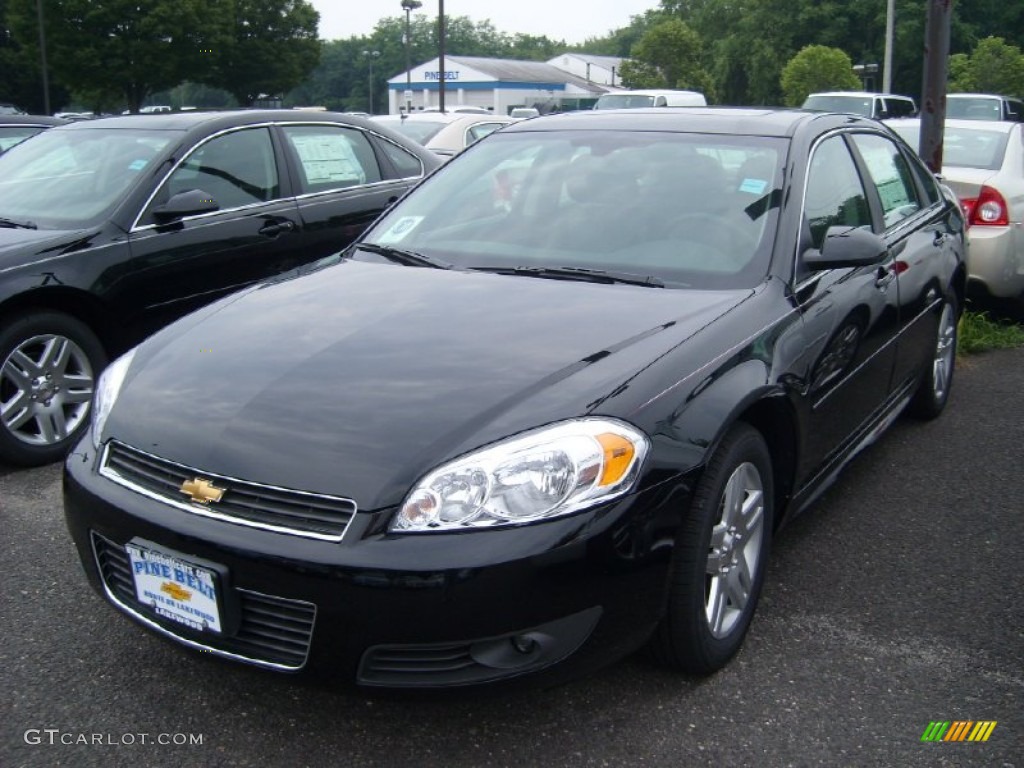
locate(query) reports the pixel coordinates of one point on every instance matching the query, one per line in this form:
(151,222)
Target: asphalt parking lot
(893,604)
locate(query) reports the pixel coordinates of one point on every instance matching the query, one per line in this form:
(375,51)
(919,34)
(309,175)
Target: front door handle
(884,276)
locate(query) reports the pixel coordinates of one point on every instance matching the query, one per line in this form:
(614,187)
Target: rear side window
(835,194)
(332,157)
(406,164)
(890,175)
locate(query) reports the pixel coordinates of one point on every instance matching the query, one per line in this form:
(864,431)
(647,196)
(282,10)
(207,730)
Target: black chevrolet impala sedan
(111,228)
(552,407)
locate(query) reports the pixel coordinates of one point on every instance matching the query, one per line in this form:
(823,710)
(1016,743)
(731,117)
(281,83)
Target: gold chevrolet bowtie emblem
(201,491)
(178,593)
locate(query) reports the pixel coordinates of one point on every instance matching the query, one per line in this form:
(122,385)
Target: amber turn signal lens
(618,456)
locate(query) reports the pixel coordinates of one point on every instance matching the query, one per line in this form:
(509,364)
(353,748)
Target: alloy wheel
(734,553)
(46,387)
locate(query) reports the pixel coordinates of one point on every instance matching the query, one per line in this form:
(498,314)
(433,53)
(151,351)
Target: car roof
(980,96)
(213,120)
(861,94)
(31,120)
(724,120)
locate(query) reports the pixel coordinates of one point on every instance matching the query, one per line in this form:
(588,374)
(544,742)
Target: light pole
(408,6)
(371,55)
(890,20)
(42,54)
(440,54)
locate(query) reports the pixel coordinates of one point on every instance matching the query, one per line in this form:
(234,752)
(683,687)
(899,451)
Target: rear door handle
(275,228)
(940,238)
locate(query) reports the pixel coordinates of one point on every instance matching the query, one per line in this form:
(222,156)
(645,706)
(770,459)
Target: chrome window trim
(111,474)
(192,643)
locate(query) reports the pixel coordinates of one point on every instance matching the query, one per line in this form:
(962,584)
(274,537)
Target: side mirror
(191,202)
(845,248)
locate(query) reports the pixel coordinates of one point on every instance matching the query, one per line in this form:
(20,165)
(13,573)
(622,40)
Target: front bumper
(411,610)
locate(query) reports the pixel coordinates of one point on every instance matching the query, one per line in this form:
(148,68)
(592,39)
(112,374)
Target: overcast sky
(569,20)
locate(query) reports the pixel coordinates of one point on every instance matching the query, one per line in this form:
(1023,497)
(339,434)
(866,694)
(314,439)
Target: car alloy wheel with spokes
(735,550)
(720,558)
(48,367)
(933,391)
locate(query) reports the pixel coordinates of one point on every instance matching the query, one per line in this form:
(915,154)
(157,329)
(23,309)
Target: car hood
(356,379)
(23,246)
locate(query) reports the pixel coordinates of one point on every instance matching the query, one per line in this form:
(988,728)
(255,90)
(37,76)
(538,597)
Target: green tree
(124,49)
(270,48)
(993,67)
(669,55)
(817,68)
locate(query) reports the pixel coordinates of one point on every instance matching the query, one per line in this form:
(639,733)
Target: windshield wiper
(578,273)
(404,257)
(12,224)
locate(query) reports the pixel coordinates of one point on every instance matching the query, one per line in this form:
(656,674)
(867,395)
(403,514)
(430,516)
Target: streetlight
(408,6)
(371,55)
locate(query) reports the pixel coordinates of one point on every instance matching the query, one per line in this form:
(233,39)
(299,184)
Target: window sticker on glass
(137,165)
(328,158)
(753,186)
(397,232)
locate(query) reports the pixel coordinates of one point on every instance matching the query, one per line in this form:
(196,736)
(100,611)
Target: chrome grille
(260,506)
(274,631)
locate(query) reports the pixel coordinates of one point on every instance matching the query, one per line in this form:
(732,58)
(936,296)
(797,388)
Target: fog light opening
(524,644)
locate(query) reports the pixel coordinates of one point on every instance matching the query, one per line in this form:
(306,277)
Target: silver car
(983,162)
(445,133)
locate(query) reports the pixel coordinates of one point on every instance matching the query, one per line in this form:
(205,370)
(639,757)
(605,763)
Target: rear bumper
(995,260)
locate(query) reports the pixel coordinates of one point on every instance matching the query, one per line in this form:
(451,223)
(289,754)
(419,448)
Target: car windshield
(688,210)
(858,105)
(973,108)
(64,179)
(624,101)
(963,147)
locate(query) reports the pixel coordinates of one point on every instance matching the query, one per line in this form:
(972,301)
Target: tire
(49,363)
(933,392)
(707,615)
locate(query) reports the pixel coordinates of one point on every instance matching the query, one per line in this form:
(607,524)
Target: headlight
(107,390)
(542,474)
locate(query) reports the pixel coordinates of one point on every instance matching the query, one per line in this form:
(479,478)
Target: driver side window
(835,193)
(235,169)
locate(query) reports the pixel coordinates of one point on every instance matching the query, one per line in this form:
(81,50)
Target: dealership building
(568,81)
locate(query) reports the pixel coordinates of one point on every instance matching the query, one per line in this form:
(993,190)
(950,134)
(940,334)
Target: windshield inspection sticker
(400,229)
(753,186)
(137,165)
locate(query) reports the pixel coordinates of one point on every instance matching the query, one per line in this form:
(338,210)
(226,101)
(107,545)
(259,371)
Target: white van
(880,106)
(635,99)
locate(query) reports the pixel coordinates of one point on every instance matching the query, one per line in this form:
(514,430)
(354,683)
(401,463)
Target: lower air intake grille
(274,631)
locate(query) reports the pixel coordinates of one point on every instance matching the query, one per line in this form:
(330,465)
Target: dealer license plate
(174,589)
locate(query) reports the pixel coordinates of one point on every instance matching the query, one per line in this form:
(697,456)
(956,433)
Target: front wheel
(720,559)
(933,392)
(49,362)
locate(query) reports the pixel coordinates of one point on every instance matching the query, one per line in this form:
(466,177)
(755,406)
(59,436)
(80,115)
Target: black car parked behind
(111,228)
